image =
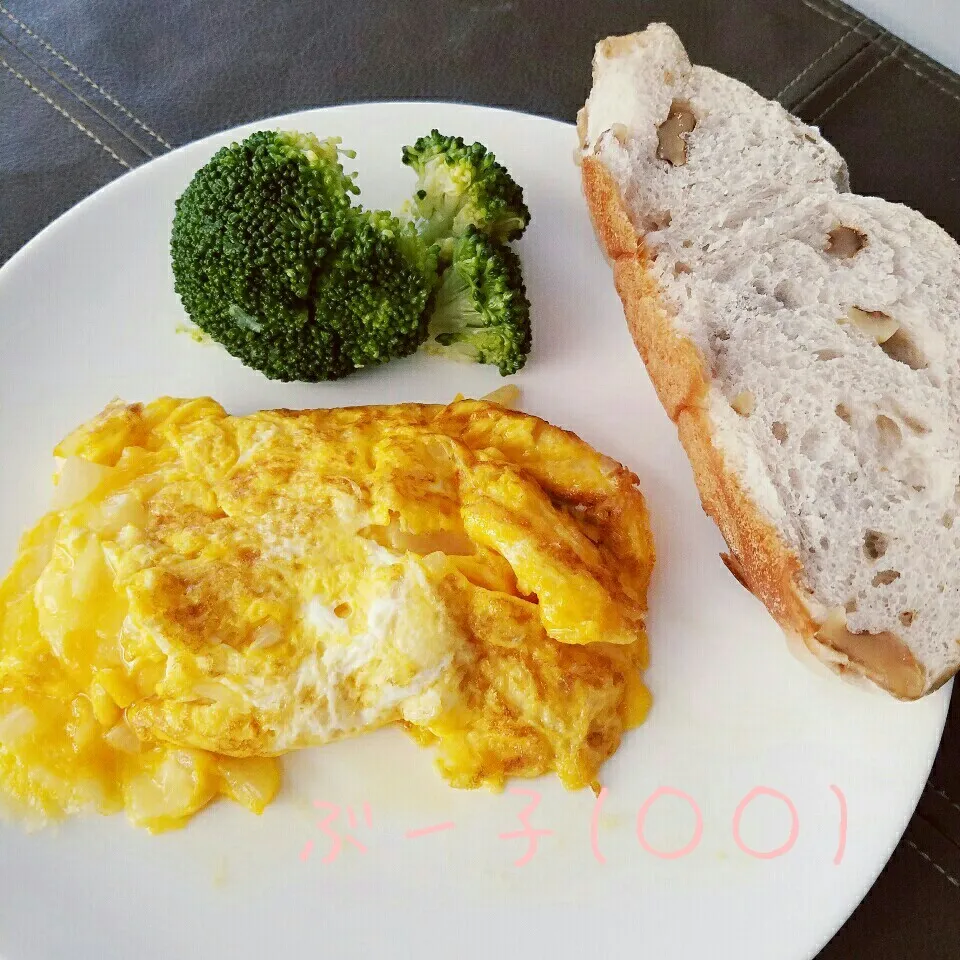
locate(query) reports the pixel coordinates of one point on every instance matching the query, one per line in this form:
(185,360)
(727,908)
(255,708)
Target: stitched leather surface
(89,88)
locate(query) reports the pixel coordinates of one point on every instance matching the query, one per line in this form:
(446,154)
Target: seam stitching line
(932,64)
(842,20)
(826,53)
(940,792)
(900,51)
(56,106)
(854,86)
(950,93)
(79,96)
(933,863)
(845,65)
(96,86)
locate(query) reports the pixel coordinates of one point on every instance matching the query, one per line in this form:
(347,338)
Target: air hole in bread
(673,132)
(843,412)
(828,354)
(874,544)
(686,244)
(723,335)
(885,578)
(824,543)
(900,347)
(779,430)
(888,433)
(906,618)
(851,606)
(845,242)
(786,293)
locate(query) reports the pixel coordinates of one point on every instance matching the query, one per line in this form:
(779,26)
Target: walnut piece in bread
(806,342)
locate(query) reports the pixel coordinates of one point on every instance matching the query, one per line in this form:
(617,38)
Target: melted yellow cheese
(209,592)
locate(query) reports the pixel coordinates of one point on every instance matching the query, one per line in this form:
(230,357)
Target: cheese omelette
(209,592)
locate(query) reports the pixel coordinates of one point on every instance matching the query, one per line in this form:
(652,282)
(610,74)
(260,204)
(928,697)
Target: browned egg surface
(209,592)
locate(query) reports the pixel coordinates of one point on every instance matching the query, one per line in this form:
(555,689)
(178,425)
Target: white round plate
(88,313)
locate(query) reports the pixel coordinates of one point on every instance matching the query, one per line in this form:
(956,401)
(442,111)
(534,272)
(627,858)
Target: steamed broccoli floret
(271,260)
(460,186)
(375,289)
(481,312)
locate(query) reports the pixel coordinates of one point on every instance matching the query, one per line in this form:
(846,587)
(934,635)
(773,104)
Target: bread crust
(759,557)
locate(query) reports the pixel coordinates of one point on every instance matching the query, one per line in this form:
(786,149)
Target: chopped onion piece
(78,478)
(122,738)
(16,724)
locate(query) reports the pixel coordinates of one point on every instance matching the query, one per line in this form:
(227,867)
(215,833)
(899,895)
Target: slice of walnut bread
(805,340)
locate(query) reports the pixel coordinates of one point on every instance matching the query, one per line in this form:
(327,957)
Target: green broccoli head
(460,186)
(481,312)
(374,290)
(271,260)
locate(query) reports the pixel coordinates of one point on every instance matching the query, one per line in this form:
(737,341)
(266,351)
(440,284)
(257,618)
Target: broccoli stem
(454,308)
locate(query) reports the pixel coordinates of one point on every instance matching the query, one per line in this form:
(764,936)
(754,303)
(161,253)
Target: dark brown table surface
(91,88)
